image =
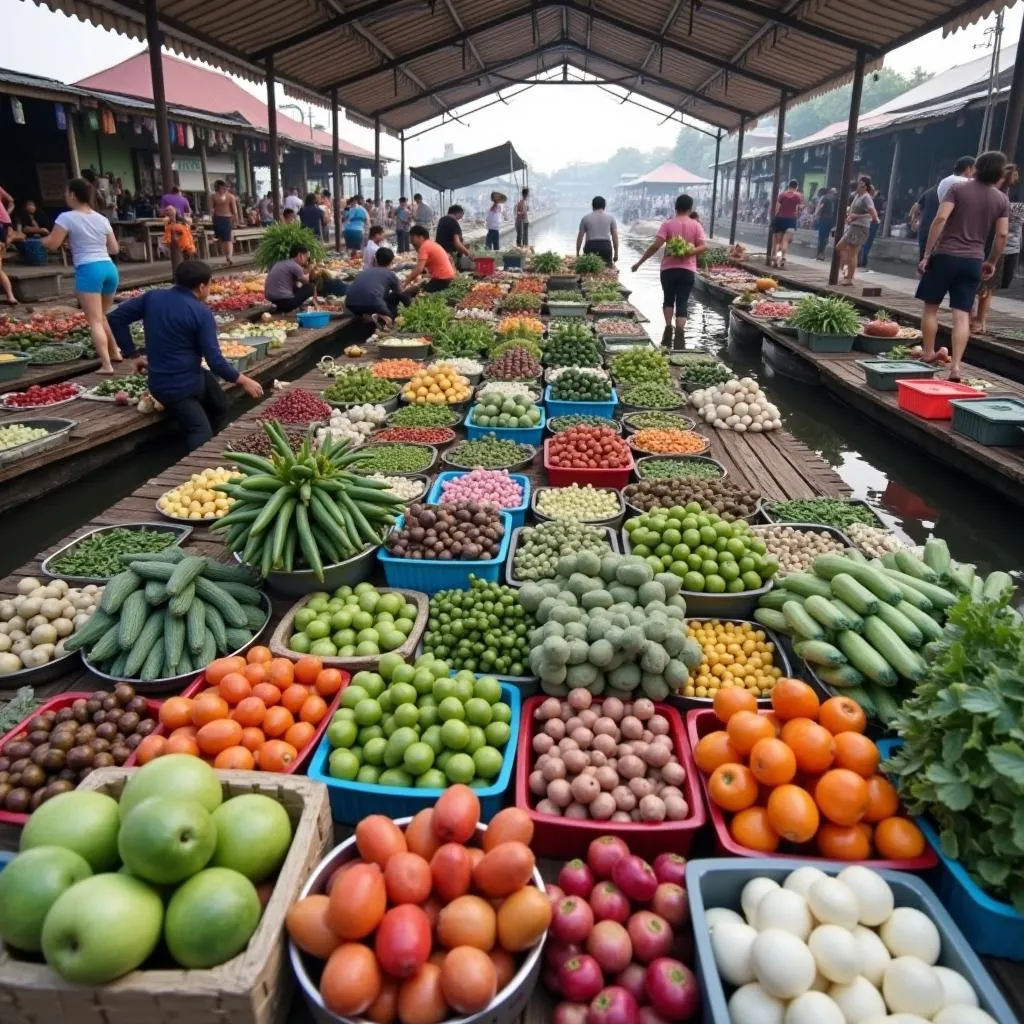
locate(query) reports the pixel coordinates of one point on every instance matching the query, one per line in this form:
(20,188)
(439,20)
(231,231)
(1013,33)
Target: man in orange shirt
(431,259)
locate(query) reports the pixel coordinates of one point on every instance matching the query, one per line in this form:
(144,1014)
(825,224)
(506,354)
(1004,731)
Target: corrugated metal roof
(406,61)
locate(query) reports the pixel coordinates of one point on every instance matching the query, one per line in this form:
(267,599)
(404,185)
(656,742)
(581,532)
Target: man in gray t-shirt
(600,231)
(423,215)
(287,283)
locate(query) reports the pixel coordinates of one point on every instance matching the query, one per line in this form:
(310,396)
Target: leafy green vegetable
(427,314)
(17,709)
(546,263)
(962,760)
(277,240)
(589,263)
(825,315)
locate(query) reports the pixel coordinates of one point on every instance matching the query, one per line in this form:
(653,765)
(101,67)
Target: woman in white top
(92,244)
(495,213)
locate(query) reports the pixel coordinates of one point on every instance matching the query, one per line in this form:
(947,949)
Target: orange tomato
(898,839)
(421,999)
(255,672)
(883,800)
(151,746)
(792,813)
(713,750)
(513,824)
(294,697)
(843,842)
(277,721)
(281,673)
(307,926)
(384,1009)
(468,921)
(732,699)
(216,736)
(259,655)
(356,908)
(208,707)
(268,693)
(313,710)
(745,728)
(250,711)
(456,814)
(772,762)
(176,712)
(329,682)
(186,730)
(504,965)
(522,918)
(378,838)
(253,738)
(857,752)
(732,787)
(407,878)
(234,687)
(276,756)
(300,734)
(842,796)
(793,698)
(351,980)
(182,745)
(237,757)
(419,835)
(218,669)
(452,869)
(813,745)
(307,668)
(842,714)
(469,979)
(751,828)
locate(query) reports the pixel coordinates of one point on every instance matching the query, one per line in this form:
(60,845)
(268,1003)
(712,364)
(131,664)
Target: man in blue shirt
(180,334)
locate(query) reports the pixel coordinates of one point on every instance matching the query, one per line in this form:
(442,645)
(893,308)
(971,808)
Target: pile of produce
(669,441)
(398,978)
(572,346)
(651,396)
(404,488)
(508,344)
(12,435)
(99,554)
(488,452)
(396,369)
(360,386)
(515,364)
(641,366)
(354,424)
(49,354)
(179,841)
(200,497)
(620,327)
(234,350)
(840,513)
(42,329)
(440,386)
(38,397)
(495,411)
(520,327)
(482,629)
(771,310)
(611,308)
(422,416)
(578,503)
(674,469)
(386,343)
(530,283)
(833,948)
(55,750)
(602,291)
(352,623)
(464,531)
(589,263)
(658,420)
(796,550)
(734,654)
(818,314)
(554,372)
(169,614)
(483,316)
(36,623)
(523,302)
(610,625)
(707,552)
(417,725)
(426,314)
(873,540)
(637,775)
(395,458)
(463,367)
(257,442)
(566,296)
(738,405)
(588,448)
(758,773)
(484,486)
(541,547)
(575,385)
(414,435)
(463,338)
(297,405)
(704,373)
(508,388)
(728,500)
(134,386)
(546,263)
(562,423)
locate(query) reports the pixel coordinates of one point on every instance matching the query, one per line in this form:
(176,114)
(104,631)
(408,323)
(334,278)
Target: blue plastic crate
(430,575)
(556,408)
(313,319)
(991,927)
(524,435)
(518,514)
(352,801)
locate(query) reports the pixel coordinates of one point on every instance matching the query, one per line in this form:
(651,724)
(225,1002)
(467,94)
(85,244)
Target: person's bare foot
(107,371)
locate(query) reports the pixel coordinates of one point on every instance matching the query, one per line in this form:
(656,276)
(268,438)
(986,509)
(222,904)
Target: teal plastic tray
(882,374)
(826,343)
(994,422)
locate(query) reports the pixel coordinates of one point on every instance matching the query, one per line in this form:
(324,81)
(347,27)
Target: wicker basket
(255,987)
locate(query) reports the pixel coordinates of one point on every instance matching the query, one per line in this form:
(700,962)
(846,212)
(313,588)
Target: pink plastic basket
(929,399)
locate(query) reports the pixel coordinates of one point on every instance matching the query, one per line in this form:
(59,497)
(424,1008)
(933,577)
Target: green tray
(993,422)
(826,343)
(882,374)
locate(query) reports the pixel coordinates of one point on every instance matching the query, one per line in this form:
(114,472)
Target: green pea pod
(271,509)
(281,531)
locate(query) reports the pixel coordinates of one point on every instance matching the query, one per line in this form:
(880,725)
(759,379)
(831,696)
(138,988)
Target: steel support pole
(275,157)
(890,195)
(780,136)
(376,161)
(736,186)
(401,179)
(714,184)
(856,91)
(154,38)
(1015,105)
(335,170)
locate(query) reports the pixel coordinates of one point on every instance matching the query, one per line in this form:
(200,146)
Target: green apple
(166,839)
(101,928)
(180,775)
(83,821)
(253,836)
(29,886)
(212,916)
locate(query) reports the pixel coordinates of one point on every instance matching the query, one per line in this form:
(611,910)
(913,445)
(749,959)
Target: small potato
(597,759)
(624,798)
(652,808)
(538,787)
(643,709)
(640,749)
(566,713)
(657,755)
(607,778)
(538,765)
(542,743)
(673,772)
(640,787)
(604,726)
(676,808)
(621,816)
(664,739)
(612,708)
(554,769)
(613,763)
(551,708)
(555,728)
(624,750)
(631,767)
(575,761)
(585,789)
(583,736)
(589,770)
(632,728)
(635,815)
(602,807)
(667,791)
(588,718)
(658,725)
(567,743)
(547,807)
(577,811)
(580,698)
(648,736)
(605,744)
(573,724)
(560,793)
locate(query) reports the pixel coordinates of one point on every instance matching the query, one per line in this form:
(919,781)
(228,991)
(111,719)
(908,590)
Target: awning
(468,170)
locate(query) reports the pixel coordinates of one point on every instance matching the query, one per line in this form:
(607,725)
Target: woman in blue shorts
(355,221)
(92,244)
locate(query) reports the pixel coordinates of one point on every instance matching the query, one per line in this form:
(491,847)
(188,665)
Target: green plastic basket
(993,422)
(882,374)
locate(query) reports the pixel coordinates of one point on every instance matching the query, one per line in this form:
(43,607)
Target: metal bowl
(506,1007)
(685,422)
(304,581)
(614,521)
(361,470)
(36,676)
(521,464)
(40,409)
(57,430)
(388,404)
(678,458)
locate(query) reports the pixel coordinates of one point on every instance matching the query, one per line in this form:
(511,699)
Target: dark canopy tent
(468,170)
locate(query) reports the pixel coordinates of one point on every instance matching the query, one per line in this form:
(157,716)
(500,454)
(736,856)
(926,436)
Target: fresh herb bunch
(463,338)
(565,295)
(599,291)
(837,512)
(427,314)
(679,247)
(589,263)
(277,240)
(458,289)
(641,365)
(819,315)
(546,263)
(17,709)
(575,386)
(713,256)
(522,302)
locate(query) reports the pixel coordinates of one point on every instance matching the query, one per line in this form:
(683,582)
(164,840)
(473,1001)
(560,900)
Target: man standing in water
(225,218)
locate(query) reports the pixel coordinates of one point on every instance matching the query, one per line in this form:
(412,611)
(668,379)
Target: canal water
(911,492)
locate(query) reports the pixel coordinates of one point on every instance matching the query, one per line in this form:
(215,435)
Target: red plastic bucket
(485,266)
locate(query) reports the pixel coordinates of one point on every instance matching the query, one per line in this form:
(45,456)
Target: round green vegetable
(540,547)
(575,386)
(488,452)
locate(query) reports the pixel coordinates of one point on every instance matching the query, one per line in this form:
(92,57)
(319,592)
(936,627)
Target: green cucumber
(172,553)
(238,638)
(830,566)
(134,613)
(208,652)
(153,665)
(99,622)
(961,576)
(854,593)
(152,636)
(856,622)
(886,706)
(772,619)
(997,585)
(865,658)
(888,560)
(908,562)
(159,571)
(181,602)
(884,639)
(822,609)
(185,573)
(804,584)
(863,696)
(195,624)
(215,625)
(929,628)
(156,593)
(777,597)
(108,645)
(841,676)
(117,589)
(220,572)
(936,556)
(801,623)
(174,639)
(939,596)
(229,608)
(855,555)
(903,627)
(818,652)
(241,592)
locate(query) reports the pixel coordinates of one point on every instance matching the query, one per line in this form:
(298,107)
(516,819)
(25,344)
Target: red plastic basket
(64,700)
(304,754)
(929,399)
(485,266)
(565,838)
(698,725)
(614,478)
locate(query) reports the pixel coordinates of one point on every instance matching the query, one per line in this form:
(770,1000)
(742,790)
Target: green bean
(358,386)
(395,458)
(422,416)
(836,512)
(99,554)
(488,452)
(673,469)
(652,396)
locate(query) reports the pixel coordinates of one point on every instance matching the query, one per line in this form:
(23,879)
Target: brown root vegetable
(657,755)
(673,772)
(547,807)
(632,728)
(577,811)
(631,767)
(625,799)
(641,787)
(551,708)
(560,793)
(580,698)
(538,787)
(588,718)
(555,728)
(575,761)
(585,789)
(583,736)
(602,807)
(542,743)
(658,725)
(612,708)
(607,778)
(643,709)
(621,816)
(606,744)
(676,808)
(554,769)
(652,808)
(605,726)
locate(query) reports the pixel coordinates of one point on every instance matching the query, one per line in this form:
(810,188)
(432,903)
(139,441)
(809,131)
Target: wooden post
(736,186)
(851,144)
(714,184)
(401,177)
(76,166)
(335,170)
(1015,105)
(887,219)
(359,181)
(204,169)
(780,136)
(275,164)
(376,162)
(154,38)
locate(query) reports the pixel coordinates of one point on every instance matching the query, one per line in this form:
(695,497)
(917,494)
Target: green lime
(323,649)
(734,586)
(366,649)
(477,739)
(368,775)
(303,617)
(432,737)
(694,561)
(342,733)
(367,634)
(362,588)
(693,581)
(387,665)
(344,638)
(442,759)
(497,734)
(400,739)
(418,758)
(423,681)
(367,733)
(428,715)
(728,571)
(460,768)
(380,617)
(406,715)
(487,688)
(708,567)
(368,600)
(501,712)
(408,611)
(402,693)
(389,639)
(366,680)
(373,751)
(362,620)
(404,626)
(402,673)
(390,727)
(487,762)
(714,584)
(478,711)
(397,778)
(708,534)
(440,669)
(368,712)
(343,764)
(299,643)
(391,603)
(464,687)
(387,705)
(343,591)
(317,603)
(343,715)
(432,779)
(455,734)
(341,619)
(352,695)
(451,707)
(751,581)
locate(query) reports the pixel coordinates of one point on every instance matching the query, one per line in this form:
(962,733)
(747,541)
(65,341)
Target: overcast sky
(42,42)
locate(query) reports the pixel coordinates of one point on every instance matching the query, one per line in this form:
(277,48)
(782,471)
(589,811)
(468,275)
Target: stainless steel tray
(58,430)
(38,408)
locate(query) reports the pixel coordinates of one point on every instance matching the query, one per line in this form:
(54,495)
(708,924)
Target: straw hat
(499,197)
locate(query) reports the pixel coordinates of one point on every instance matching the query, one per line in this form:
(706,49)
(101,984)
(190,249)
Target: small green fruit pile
(505,411)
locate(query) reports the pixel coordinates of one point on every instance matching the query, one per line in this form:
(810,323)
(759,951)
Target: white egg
(752,893)
(910,985)
(718,915)
(836,953)
(752,1005)
(785,909)
(731,942)
(831,902)
(813,1008)
(859,1001)
(874,956)
(962,1015)
(782,964)
(874,897)
(908,932)
(956,989)
(801,880)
